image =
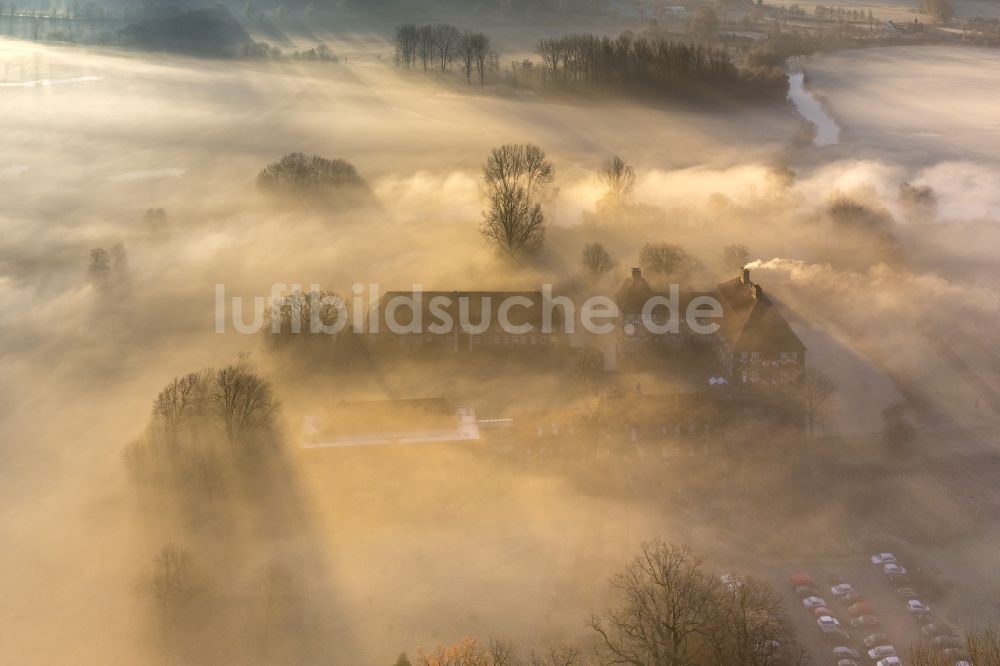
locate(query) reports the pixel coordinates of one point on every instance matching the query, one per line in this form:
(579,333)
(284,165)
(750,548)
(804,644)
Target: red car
(861,608)
(802,580)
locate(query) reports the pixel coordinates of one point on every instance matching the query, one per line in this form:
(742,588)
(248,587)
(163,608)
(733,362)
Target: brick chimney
(746,276)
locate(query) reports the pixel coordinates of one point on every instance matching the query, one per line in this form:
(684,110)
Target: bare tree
(513,223)
(557,655)
(171,583)
(753,628)
(119,261)
(406,42)
(667,606)
(734,257)
(99,269)
(305,319)
(618,177)
(518,165)
(814,392)
(674,612)
(466,652)
(500,651)
(480,50)
(311,176)
(596,261)
(276,597)
(181,399)
(245,402)
(467,54)
(982,646)
(425,45)
(472,50)
(446,40)
(515,175)
(669,262)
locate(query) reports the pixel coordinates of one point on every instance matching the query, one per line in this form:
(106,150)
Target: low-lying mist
(400,547)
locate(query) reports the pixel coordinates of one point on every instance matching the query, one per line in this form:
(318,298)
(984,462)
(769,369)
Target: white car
(813,602)
(828,621)
(893,568)
(889,661)
(844,652)
(841,590)
(882,652)
(883,558)
(917,607)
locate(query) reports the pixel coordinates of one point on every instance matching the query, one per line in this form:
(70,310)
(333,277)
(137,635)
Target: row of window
(778,377)
(756,358)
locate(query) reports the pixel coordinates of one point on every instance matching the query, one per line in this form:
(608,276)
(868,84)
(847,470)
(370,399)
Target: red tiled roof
(751,322)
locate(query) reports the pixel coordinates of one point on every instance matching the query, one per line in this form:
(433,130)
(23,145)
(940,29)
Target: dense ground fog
(407,548)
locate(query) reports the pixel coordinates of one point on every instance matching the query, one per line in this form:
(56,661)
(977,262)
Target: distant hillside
(198,32)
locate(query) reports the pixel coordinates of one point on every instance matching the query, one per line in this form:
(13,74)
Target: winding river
(827,129)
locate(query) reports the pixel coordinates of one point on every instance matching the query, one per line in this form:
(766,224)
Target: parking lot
(901,627)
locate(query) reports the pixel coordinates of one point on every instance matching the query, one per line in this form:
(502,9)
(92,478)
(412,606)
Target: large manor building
(754,343)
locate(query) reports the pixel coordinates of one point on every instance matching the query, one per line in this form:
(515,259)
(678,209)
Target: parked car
(917,607)
(938,629)
(801,578)
(844,652)
(865,621)
(945,642)
(881,652)
(835,635)
(861,608)
(803,591)
(883,558)
(874,640)
(906,593)
(827,621)
(850,598)
(813,602)
(841,589)
(847,662)
(899,580)
(820,611)
(893,568)
(889,661)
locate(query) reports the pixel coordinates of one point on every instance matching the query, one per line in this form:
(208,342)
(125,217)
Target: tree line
(670,610)
(588,61)
(440,47)
(648,65)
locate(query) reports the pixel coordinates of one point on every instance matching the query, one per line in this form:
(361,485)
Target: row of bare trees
(671,610)
(235,398)
(591,60)
(440,46)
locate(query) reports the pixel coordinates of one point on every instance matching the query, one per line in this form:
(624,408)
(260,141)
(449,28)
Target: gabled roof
(635,291)
(751,321)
